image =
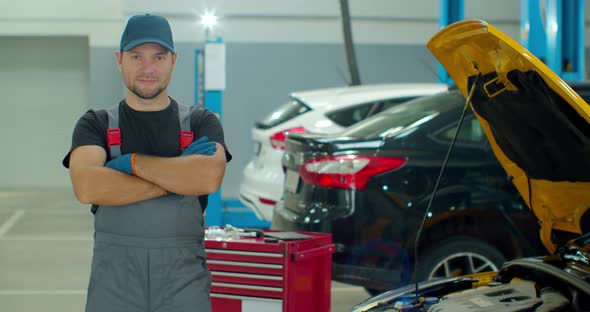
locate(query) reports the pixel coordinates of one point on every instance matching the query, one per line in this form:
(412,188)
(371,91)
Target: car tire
(459,256)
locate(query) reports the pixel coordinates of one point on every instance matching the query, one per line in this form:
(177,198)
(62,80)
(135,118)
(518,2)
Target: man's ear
(119,58)
(174,57)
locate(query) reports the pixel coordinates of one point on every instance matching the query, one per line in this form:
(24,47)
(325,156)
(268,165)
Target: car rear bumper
(313,205)
(259,186)
(262,211)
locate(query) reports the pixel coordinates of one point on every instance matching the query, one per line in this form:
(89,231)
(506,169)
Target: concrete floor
(45,252)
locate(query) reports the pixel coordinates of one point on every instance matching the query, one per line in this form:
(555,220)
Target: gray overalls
(149,256)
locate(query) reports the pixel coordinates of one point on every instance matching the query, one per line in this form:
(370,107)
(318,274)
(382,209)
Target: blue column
(553,30)
(214,215)
(532,24)
(210,100)
(450,11)
(219,211)
(572,19)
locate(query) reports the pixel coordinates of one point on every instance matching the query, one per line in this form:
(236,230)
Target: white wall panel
(60,9)
(307,21)
(99,33)
(299,21)
(99,20)
(44,87)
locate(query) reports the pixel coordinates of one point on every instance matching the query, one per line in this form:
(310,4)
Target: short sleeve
(205,123)
(89,130)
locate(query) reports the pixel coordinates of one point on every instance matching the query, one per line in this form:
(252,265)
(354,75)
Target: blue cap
(147,28)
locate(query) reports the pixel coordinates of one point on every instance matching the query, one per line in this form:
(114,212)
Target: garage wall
(277,47)
(106,85)
(44,87)
(100,21)
(260,77)
(273,47)
(375,21)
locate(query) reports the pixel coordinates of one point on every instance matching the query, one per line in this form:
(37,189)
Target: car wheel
(459,256)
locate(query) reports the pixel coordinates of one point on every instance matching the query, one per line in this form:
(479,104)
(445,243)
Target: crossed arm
(94,183)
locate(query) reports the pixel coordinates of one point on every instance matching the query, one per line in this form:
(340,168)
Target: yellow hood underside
(469,48)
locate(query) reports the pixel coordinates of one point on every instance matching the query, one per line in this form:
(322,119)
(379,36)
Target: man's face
(146,69)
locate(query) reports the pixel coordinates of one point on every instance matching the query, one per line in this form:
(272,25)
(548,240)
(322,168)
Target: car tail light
(278,139)
(267,201)
(347,172)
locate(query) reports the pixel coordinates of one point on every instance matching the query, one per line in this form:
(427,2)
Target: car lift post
(209,85)
(450,11)
(210,75)
(553,30)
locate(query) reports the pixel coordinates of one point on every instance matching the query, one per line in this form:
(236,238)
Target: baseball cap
(147,28)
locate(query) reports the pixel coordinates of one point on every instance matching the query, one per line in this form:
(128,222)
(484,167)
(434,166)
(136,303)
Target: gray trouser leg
(180,279)
(170,277)
(118,281)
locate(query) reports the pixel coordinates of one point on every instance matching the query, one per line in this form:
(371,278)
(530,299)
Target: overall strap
(184,117)
(114,132)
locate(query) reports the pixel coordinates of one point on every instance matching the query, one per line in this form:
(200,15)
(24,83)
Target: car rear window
(351,115)
(470,132)
(404,115)
(282,114)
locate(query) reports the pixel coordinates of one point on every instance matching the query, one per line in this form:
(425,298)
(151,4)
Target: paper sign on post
(215,66)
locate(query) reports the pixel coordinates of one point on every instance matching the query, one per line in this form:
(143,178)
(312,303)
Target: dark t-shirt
(149,133)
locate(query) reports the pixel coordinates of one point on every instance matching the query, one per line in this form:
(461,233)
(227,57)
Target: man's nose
(148,65)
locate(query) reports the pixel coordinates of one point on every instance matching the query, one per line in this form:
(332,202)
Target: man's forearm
(186,175)
(104,186)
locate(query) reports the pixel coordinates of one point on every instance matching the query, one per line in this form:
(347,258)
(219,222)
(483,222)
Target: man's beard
(147,95)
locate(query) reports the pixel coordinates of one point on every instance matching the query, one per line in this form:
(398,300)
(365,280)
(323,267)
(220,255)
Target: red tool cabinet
(250,274)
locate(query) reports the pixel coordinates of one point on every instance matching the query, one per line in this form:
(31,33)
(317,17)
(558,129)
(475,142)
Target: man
(147,183)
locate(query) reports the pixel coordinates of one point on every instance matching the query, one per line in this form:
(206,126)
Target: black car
(539,130)
(370,187)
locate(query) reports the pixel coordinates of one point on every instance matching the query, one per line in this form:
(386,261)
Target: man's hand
(124,163)
(201,146)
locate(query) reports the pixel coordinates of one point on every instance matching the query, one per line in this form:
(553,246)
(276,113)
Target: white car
(323,111)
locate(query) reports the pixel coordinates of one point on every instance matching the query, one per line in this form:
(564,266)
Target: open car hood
(538,127)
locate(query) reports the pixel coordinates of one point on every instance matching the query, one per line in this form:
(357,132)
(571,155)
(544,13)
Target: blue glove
(124,163)
(202,146)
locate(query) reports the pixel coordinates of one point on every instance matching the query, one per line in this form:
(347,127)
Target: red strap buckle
(113,136)
(186,138)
